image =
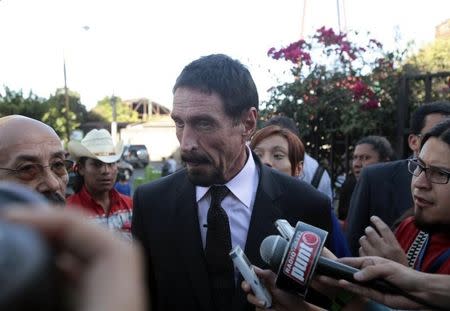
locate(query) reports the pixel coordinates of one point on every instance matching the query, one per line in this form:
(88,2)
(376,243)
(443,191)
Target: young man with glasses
(96,173)
(383,190)
(31,153)
(424,238)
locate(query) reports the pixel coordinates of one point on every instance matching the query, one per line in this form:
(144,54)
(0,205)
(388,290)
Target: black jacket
(383,190)
(165,220)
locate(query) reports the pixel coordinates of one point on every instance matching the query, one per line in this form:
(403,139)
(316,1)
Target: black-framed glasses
(31,171)
(433,174)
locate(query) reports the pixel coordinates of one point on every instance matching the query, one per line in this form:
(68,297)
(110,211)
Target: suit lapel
(190,244)
(265,213)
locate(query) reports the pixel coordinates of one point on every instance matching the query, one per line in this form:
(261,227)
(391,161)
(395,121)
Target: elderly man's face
(31,154)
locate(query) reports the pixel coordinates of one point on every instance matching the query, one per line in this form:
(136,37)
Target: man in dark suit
(384,189)
(185,229)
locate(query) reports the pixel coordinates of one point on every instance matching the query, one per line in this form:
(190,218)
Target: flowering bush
(339,87)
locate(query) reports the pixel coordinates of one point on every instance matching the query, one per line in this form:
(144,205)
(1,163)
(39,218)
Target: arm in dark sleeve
(139,234)
(358,212)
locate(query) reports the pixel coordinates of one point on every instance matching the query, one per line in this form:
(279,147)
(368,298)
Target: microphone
(298,259)
(272,252)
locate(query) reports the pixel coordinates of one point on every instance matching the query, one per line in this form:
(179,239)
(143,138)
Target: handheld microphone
(272,252)
(298,259)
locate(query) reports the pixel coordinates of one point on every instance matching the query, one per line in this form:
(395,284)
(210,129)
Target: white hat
(97,144)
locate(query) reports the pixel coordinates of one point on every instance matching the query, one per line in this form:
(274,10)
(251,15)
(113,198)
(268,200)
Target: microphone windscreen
(272,250)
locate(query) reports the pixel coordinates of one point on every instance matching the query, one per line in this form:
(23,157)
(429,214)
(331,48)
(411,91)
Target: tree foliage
(64,123)
(123,111)
(14,102)
(433,57)
(339,87)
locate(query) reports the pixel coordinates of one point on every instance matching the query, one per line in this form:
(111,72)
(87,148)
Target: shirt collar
(113,195)
(237,184)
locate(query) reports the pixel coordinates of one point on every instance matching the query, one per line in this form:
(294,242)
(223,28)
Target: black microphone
(297,260)
(272,251)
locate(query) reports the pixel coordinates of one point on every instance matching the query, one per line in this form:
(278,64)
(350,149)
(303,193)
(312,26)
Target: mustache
(54,197)
(194,158)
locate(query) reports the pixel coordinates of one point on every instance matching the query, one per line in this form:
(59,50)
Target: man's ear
(249,119)
(414,143)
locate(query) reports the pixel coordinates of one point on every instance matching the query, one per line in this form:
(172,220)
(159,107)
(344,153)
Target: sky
(137,48)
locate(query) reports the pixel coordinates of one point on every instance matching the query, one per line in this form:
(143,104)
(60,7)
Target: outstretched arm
(105,272)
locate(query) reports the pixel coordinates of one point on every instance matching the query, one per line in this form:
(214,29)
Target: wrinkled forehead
(28,140)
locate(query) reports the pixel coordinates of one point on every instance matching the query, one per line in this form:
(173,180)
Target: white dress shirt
(238,204)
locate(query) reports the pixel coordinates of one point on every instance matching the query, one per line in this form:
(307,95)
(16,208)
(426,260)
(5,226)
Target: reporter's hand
(325,288)
(281,300)
(376,267)
(381,242)
(106,272)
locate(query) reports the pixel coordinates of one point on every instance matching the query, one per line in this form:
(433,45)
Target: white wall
(159,137)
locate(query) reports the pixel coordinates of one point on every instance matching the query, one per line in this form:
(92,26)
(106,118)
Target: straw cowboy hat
(97,144)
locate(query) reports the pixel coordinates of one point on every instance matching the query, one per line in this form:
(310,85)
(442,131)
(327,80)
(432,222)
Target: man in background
(96,173)
(384,190)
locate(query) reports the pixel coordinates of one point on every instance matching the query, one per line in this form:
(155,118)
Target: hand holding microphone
(297,260)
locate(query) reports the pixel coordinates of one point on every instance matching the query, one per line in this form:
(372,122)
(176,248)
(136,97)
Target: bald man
(31,153)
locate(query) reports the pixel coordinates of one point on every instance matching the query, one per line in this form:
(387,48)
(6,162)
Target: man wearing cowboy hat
(96,172)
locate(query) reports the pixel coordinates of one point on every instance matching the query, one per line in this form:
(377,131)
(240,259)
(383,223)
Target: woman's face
(274,152)
(363,155)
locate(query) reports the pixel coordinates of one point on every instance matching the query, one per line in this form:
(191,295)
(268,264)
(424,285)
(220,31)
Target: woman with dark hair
(282,150)
(368,150)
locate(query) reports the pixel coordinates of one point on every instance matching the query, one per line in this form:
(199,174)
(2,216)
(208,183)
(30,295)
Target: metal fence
(413,91)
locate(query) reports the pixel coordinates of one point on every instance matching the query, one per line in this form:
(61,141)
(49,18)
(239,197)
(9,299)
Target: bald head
(16,129)
(25,142)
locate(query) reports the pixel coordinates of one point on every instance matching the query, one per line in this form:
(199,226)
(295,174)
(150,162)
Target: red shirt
(119,215)
(437,244)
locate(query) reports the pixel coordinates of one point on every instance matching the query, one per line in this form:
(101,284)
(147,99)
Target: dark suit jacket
(383,190)
(165,220)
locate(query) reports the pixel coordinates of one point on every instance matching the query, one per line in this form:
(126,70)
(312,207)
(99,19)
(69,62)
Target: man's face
(429,122)
(431,200)
(35,153)
(99,177)
(363,156)
(212,145)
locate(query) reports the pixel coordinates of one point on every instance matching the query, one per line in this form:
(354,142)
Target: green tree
(340,91)
(14,102)
(434,57)
(56,115)
(124,112)
(339,87)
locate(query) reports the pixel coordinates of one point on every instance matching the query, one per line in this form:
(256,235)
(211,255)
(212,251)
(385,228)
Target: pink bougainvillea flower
(372,104)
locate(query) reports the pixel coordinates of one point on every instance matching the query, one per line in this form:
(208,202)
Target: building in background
(157,134)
